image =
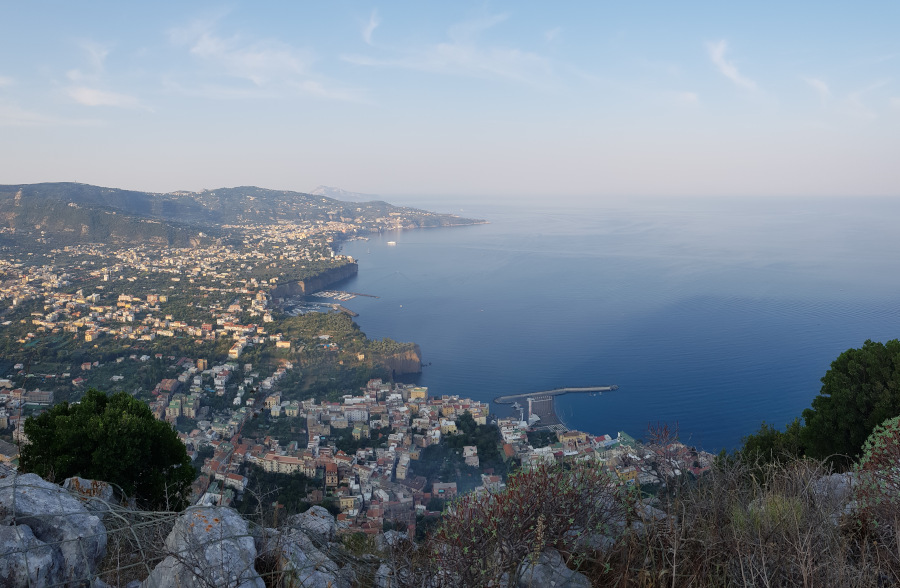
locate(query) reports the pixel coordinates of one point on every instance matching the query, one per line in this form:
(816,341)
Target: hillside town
(248,375)
(373,484)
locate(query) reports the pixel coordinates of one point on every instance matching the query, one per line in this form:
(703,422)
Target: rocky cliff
(405,362)
(315,283)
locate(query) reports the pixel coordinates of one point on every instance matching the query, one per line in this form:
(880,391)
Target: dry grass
(738,528)
(740,525)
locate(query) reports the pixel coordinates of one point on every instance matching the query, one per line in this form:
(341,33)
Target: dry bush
(735,527)
(485,537)
(135,543)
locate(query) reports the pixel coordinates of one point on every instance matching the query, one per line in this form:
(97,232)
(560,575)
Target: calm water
(714,315)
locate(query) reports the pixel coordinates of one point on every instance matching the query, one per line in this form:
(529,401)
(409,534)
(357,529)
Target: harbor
(339,295)
(510,398)
(541,408)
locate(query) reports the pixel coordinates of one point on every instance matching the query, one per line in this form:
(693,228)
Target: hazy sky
(518,99)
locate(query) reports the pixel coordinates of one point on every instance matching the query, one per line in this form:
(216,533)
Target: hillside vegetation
(72,212)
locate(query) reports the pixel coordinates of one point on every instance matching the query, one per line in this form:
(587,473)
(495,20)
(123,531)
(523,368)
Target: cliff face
(315,283)
(405,362)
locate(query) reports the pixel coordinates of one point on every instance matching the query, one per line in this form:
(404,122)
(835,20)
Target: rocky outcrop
(208,546)
(53,536)
(97,496)
(315,283)
(25,560)
(302,564)
(405,362)
(550,570)
(47,536)
(303,552)
(835,492)
(316,522)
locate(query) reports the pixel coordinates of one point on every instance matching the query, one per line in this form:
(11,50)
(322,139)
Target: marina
(339,295)
(542,414)
(510,398)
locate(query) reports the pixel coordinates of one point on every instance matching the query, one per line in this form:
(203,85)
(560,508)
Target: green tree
(115,439)
(859,392)
(769,445)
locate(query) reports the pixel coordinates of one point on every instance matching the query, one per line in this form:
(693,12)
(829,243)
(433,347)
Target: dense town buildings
(197,332)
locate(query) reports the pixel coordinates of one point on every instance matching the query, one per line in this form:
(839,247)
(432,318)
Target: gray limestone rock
(836,488)
(208,546)
(316,522)
(58,520)
(384,541)
(302,564)
(836,493)
(96,496)
(651,513)
(384,577)
(549,571)
(27,561)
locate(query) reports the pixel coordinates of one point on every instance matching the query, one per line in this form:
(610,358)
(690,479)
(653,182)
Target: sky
(513,100)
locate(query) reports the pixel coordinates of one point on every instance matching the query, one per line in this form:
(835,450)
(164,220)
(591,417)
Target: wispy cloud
(5,81)
(94,97)
(895,102)
(465,55)
(684,97)
(260,62)
(95,54)
(467,30)
(370,27)
(87,84)
(12,115)
(728,69)
(857,107)
(820,87)
(552,34)
(272,66)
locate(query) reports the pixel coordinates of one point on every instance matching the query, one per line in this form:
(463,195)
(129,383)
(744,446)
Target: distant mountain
(72,212)
(81,212)
(341,194)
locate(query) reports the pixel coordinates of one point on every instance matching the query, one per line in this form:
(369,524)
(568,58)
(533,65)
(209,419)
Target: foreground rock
(299,552)
(208,546)
(550,571)
(46,535)
(96,496)
(303,565)
(317,523)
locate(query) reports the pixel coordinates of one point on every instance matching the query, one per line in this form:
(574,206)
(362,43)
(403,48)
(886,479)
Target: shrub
(878,475)
(484,537)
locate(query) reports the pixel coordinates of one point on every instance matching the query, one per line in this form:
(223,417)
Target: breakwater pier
(510,398)
(541,408)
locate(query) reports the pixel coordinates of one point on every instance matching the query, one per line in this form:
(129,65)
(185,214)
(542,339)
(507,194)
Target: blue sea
(712,314)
